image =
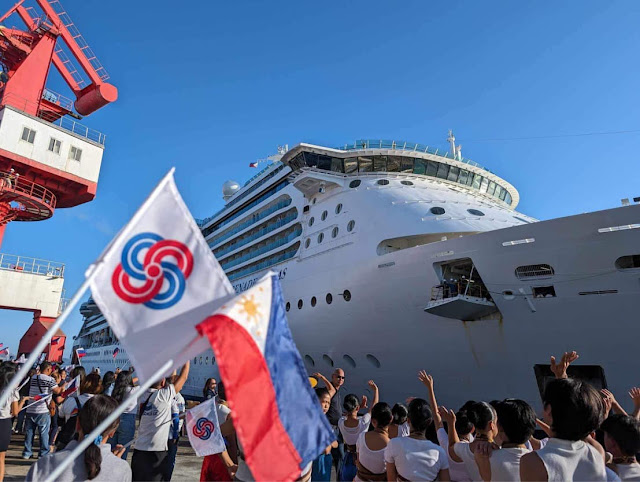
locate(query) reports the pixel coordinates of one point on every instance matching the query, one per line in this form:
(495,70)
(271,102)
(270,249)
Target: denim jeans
(20,421)
(171,458)
(125,432)
(41,423)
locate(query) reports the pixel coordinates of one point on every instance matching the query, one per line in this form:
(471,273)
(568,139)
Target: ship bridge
(384,156)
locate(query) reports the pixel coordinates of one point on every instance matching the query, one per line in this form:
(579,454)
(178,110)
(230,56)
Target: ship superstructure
(396,257)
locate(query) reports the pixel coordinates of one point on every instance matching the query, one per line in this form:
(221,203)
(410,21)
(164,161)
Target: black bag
(143,406)
(68,432)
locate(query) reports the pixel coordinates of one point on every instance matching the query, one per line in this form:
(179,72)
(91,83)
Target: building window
(436,210)
(346,295)
(383,182)
(329,298)
(406,183)
(300,304)
(355,183)
(54,145)
(28,135)
(324,215)
(311,220)
(338,208)
(313,301)
(475,212)
(334,232)
(351,225)
(307,242)
(320,237)
(75,154)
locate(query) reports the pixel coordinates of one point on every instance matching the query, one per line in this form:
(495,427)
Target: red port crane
(42,168)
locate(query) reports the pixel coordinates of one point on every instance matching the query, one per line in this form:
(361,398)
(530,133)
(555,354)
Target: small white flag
(204,429)
(158,280)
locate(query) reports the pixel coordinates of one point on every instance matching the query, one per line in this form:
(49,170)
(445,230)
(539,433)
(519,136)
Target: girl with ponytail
(98,463)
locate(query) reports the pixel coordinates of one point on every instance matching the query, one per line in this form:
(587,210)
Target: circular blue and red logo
(160,267)
(204,428)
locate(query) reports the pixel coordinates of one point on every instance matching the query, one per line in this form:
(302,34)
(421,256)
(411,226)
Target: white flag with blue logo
(203,429)
(158,279)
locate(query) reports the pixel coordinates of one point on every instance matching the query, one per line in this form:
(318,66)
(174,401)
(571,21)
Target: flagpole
(89,438)
(33,357)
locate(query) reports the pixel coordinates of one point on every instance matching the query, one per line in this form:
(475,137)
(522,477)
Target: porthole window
(351,225)
(334,233)
(206,360)
(508,295)
(373,360)
(406,183)
(355,183)
(313,301)
(338,208)
(300,303)
(383,182)
(200,360)
(346,295)
(475,212)
(195,360)
(349,360)
(311,220)
(288,306)
(320,237)
(324,215)
(534,271)
(314,201)
(327,360)
(329,298)
(307,242)
(310,360)
(631,261)
(435,210)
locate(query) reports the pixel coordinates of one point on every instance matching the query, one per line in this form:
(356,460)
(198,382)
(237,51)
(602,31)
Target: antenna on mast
(456,152)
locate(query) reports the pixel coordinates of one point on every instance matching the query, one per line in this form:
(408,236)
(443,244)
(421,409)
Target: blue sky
(212,86)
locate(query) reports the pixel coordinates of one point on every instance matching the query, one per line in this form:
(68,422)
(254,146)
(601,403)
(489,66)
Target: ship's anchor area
(461,294)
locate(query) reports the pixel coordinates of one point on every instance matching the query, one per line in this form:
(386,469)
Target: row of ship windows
(289,253)
(324,214)
(346,294)
(29,136)
(349,360)
(409,165)
(256,185)
(334,233)
(265,246)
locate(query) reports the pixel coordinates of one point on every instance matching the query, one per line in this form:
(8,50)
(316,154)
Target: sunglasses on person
(339,377)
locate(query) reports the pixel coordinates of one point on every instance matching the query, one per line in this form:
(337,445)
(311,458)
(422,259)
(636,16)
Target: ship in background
(396,257)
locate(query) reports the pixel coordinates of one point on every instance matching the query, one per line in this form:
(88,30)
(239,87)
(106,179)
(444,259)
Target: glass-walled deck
(406,164)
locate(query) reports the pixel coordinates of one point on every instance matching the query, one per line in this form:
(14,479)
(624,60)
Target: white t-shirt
(5,410)
(351,434)
(223,413)
(505,463)
(69,408)
(373,460)
(416,459)
(155,423)
(567,460)
(177,406)
(457,470)
(404,430)
(629,471)
(463,450)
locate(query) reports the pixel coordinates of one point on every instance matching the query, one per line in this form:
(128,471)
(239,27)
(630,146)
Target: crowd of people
(586,433)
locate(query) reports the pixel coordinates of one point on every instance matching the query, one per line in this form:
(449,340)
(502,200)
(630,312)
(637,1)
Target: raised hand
(608,402)
(372,385)
(427,380)
(364,402)
(634,393)
(447,415)
(560,369)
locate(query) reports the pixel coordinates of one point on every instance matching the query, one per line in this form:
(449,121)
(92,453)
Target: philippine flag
(253,164)
(275,411)
(80,352)
(158,279)
(115,352)
(55,340)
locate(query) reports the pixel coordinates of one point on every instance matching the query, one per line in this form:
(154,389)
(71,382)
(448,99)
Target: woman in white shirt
(10,409)
(414,457)
(399,426)
(573,409)
(371,445)
(622,441)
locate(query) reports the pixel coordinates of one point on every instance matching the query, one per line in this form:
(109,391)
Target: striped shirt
(40,385)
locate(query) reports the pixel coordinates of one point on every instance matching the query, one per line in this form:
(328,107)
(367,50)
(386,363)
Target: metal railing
(403,146)
(456,288)
(65,123)
(25,264)
(12,182)
(57,99)
(264,249)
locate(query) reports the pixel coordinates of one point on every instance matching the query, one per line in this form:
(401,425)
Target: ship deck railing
(404,146)
(25,264)
(448,290)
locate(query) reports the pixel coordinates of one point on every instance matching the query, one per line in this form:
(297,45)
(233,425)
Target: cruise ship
(396,257)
